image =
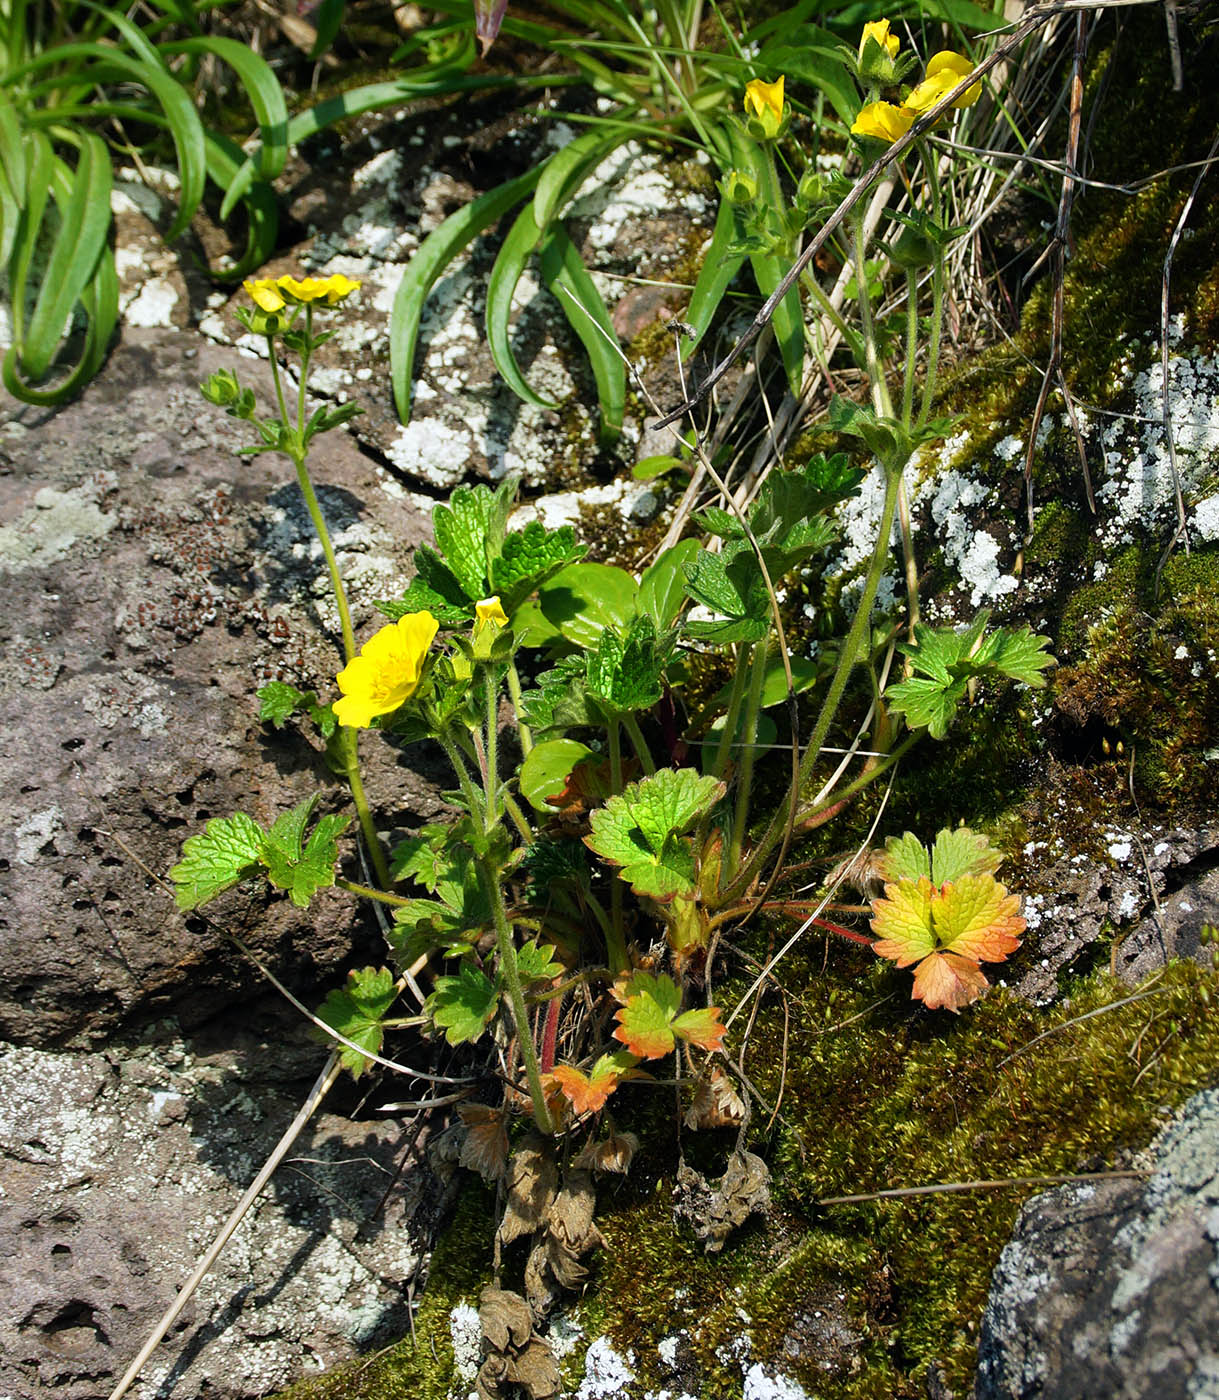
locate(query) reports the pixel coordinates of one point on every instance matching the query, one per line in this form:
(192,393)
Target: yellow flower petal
(387,671)
(330,290)
(765,102)
(264,293)
(883,120)
(944,71)
(878,29)
(491,610)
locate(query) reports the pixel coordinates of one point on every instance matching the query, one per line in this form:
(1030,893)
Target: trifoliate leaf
(927,703)
(461,529)
(625,670)
(537,964)
(640,830)
(227,851)
(357,1011)
(420,858)
(461,1006)
(648,1019)
(458,914)
(588,1092)
(528,558)
(302,872)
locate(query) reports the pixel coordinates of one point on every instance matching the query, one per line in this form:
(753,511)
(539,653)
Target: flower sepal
(767,117)
(265,324)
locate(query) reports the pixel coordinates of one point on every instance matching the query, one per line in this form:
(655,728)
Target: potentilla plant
(598,841)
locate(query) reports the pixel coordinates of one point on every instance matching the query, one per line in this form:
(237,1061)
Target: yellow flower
(491,610)
(264,293)
(883,120)
(944,71)
(331,289)
(273,294)
(765,102)
(878,29)
(387,671)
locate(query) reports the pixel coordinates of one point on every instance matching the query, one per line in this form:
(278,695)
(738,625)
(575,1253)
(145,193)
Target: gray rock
(118,1169)
(1110,1290)
(153,580)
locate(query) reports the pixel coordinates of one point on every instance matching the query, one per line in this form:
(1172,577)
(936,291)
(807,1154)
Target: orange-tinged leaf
(588,1092)
(650,1003)
(702,1027)
(977,918)
(948,981)
(903,921)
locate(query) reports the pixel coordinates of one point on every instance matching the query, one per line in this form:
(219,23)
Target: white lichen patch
(56,524)
(153,304)
(431,450)
(563,507)
(627,186)
(467,1337)
(606,1372)
(36,833)
(763,1385)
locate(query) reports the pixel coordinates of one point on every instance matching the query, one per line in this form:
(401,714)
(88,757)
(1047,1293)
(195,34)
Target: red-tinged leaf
(977,918)
(701,1027)
(588,1092)
(903,921)
(650,1003)
(948,981)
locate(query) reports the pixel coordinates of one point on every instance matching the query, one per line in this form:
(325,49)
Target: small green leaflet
(957,852)
(458,912)
(461,1006)
(461,537)
(278,702)
(357,1011)
(420,858)
(302,872)
(948,660)
(228,850)
(530,557)
(537,964)
(561,700)
(641,830)
(625,671)
(434,589)
(730,584)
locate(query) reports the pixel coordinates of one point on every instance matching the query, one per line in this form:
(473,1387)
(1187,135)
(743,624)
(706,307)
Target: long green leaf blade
(716,274)
(517,249)
(434,255)
(565,275)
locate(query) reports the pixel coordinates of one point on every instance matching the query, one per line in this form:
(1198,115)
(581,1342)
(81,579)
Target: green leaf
(561,700)
(960,852)
(537,964)
(302,872)
(648,1020)
(545,768)
(421,858)
(434,255)
(583,599)
(640,830)
(278,702)
(662,585)
(649,468)
(563,173)
(528,558)
(905,858)
(509,267)
(461,1006)
(461,529)
(227,851)
(1020,654)
(731,584)
(434,589)
(720,266)
(357,1012)
(625,671)
(927,703)
(548,863)
(565,275)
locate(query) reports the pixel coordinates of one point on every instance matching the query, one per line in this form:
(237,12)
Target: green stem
(518,818)
(911,347)
(735,698)
(367,892)
(851,647)
(349,748)
(876,376)
(927,157)
(749,739)
(514,693)
(516,996)
(641,744)
(881,767)
(491,815)
(458,764)
(615,938)
(332,564)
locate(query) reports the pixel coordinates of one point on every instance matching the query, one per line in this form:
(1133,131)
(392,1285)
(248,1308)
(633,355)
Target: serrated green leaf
(625,671)
(551,862)
(650,1003)
(544,770)
(461,1006)
(447,603)
(461,529)
(960,852)
(302,872)
(421,858)
(537,964)
(228,850)
(1021,655)
(730,583)
(641,829)
(528,558)
(561,699)
(927,702)
(905,858)
(278,702)
(357,1012)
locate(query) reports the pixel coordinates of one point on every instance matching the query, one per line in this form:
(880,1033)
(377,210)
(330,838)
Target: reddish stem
(550,1035)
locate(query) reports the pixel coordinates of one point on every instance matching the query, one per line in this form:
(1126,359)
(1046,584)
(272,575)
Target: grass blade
(720,266)
(565,275)
(517,249)
(224,158)
(434,255)
(566,170)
